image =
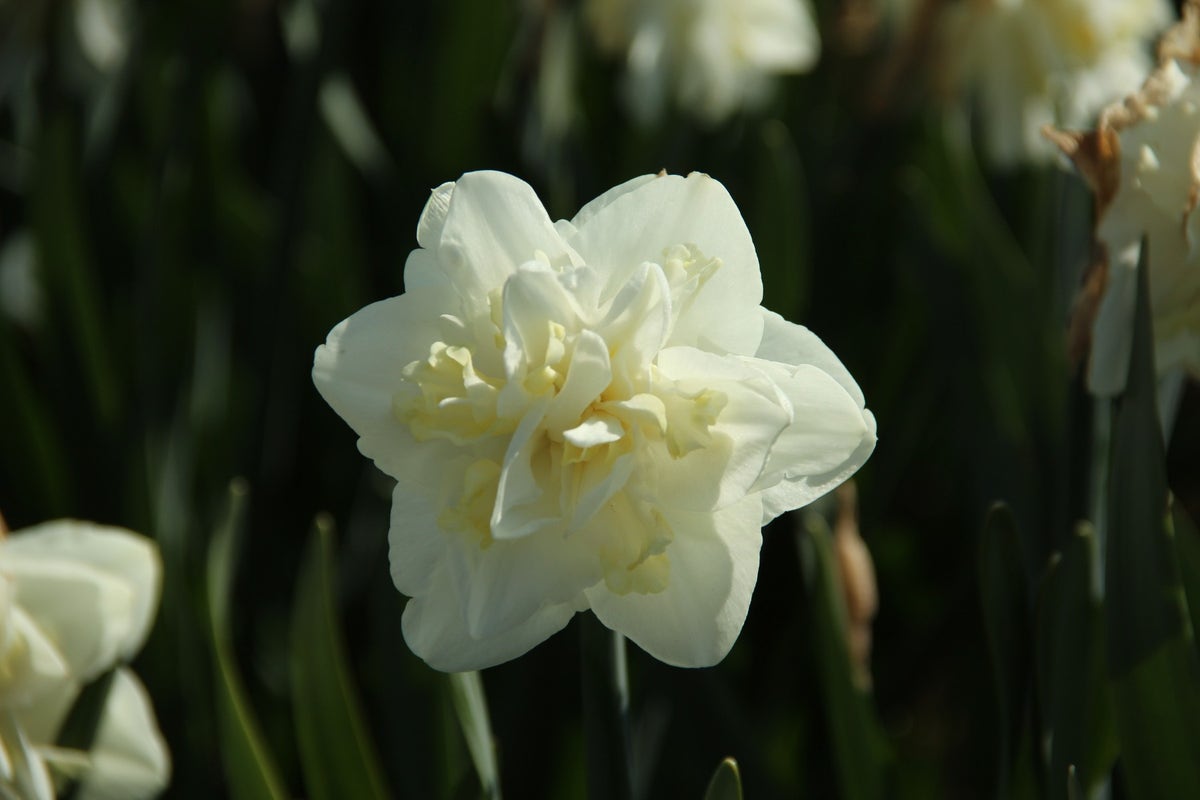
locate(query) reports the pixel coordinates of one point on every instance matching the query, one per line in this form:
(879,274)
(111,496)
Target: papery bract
(1143,162)
(586,414)
(76,600)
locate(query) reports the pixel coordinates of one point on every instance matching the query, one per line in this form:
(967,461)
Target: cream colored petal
(641,224)
(359,371)
(129,757)
(695,620)
(726,469)
(435,628)
(130,558)
(793,344)
(87,614)
(494,223)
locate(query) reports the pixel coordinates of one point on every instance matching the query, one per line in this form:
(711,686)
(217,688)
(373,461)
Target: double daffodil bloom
(587,414)
(76,600)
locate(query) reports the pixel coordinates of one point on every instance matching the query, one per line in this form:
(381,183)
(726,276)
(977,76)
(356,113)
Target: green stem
(605,711)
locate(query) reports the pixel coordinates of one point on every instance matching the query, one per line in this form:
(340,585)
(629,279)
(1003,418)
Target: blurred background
(193,193)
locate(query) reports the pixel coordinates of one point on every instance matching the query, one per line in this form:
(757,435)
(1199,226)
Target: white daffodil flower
(587,414)
(1143,162)
(76,599)
(716,56)
(1034,63)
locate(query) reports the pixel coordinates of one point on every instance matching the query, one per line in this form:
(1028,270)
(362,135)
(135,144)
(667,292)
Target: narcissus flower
(587,414)
(716,57)
(1143,162)
(76,600)
(1047,62)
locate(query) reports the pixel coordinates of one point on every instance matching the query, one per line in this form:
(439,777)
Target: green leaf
(64,257)
(726,783)
(858,743)
(781,221)
(1076,698)
(337,755)
(1151,656)
(248,764)
(1004,590)
(470,705)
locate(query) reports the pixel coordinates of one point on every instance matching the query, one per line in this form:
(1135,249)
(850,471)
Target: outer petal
(493,224)
(416,544)
(697,618)
(35,670)
(510,581)
(639,225)
(795,491)
(88,614)
(594,207)
(435,629)
(789,343)
(746,429)
(129,757)
(129,557)
(358,371)
(831,434)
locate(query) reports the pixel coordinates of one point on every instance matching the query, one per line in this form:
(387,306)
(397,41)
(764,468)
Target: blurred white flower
(716,56)
(103,28)
(76,599)
(587,414)
(1033,63)
(1143,162)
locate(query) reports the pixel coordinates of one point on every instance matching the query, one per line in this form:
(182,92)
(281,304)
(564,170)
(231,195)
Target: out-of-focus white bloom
(1143,161)
(716,56)
(76,599)
(103,30)
(1033,63)
(587,414)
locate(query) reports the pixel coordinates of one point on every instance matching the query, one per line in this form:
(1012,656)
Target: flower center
(564,403)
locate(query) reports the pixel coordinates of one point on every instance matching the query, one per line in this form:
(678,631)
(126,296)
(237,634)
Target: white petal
(433,217)
(512,580)
(416,543)
(87,614)
(129,757)
(592,208)
(521,503)
(827,424)
(119,553)
(745,430)
(435,629)
(641,223)
(789,343)
(358,371)
(594,431)
(589,374)
(38,668)
(697,618)
(533,300)
(798,490)
(638,323)
(495,223)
